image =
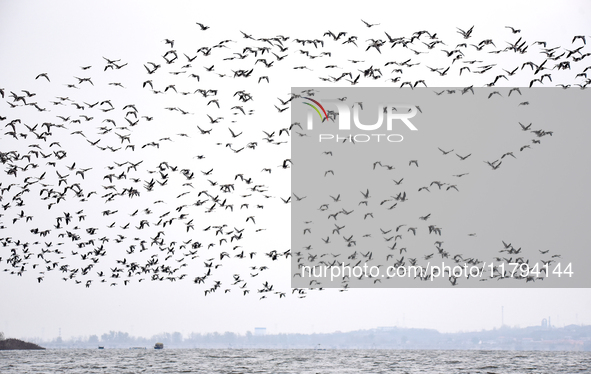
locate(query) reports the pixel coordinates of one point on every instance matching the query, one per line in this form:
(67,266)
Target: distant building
(260,331)
(545,323)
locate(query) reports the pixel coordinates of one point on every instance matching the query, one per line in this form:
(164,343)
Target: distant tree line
(573,337)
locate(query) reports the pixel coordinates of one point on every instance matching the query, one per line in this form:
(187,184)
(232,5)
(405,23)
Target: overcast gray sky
(60,37)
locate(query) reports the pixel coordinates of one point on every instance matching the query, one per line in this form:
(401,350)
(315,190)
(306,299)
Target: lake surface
(291,361)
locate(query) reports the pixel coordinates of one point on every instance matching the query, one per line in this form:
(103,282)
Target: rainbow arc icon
(316,108)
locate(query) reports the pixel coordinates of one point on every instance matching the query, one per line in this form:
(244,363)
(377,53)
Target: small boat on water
(159,346)
(101,347)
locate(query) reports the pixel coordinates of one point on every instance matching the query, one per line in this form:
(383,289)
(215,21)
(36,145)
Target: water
(291,361)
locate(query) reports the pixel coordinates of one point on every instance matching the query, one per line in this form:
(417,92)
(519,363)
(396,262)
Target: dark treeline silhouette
(13,344)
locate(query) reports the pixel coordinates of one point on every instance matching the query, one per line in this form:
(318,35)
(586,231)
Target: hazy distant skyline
(60,37)
(533,338)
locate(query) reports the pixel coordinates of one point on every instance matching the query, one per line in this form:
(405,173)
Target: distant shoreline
(505,338)
(547,349)
(16,344)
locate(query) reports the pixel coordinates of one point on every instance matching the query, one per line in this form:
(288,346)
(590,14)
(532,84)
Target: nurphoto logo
(342,115)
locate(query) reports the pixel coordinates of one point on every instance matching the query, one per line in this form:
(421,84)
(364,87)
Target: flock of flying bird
(86,194)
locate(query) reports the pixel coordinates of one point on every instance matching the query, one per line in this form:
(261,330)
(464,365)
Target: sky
(59,38)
